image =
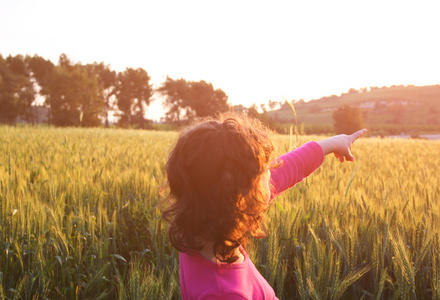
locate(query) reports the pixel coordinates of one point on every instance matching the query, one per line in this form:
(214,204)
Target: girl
(222,177)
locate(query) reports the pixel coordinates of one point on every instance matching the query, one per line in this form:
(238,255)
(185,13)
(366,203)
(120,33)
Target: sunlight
(254,52)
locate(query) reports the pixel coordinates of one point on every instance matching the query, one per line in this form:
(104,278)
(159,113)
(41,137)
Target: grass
(80,219)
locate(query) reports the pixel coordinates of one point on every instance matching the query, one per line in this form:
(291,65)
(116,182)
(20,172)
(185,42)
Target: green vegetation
(35,90)
(386,110)
(348,119)
(80,219)
(87,95)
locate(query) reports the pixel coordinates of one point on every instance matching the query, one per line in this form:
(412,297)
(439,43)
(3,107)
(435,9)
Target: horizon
(155,111)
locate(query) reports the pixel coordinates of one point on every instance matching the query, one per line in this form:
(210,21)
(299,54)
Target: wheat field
(80,219)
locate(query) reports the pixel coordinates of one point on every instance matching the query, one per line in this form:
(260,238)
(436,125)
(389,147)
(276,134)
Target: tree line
(86,95)
(93,94)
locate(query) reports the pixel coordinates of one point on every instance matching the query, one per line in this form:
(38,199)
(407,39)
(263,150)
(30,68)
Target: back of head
(214,173)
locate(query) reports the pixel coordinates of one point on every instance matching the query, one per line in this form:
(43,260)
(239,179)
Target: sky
(255,51)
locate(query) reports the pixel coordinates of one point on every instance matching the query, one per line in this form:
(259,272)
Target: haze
(255,51)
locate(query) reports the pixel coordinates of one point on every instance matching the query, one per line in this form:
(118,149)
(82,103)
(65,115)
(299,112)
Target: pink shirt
(203,279)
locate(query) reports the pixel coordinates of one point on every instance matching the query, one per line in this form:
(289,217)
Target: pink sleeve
(223,296)
(294,167)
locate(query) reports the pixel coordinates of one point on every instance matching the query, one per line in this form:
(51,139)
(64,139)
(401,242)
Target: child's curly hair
(214,176)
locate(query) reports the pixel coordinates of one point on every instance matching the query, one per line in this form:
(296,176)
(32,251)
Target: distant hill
(402,108)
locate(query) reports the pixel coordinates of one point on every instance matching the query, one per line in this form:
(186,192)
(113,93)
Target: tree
(352,91)
(189,99)
(133,95)
(107,85)
(40,68)
(16,89)
(174,92)
(274,105)
(206,101)
(348,119)
(72,93)
(396,110)
(263,117)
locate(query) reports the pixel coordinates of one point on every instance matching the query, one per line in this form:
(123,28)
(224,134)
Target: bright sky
(255,51)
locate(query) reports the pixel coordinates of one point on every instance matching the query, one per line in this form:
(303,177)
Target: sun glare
(255,52)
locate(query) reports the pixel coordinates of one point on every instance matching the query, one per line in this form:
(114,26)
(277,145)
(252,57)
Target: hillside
(406,108)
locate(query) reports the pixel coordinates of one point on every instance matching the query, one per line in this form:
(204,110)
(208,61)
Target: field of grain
(80,219)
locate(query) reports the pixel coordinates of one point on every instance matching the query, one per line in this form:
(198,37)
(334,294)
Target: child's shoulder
(203,279)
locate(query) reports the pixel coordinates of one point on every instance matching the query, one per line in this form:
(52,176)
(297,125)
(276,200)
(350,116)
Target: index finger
(358,134)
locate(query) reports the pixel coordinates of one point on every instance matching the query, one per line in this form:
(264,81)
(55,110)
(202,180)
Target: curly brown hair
(214,176)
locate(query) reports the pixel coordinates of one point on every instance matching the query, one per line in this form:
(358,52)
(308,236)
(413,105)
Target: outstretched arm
(301,162)
(294,166)
(340,145)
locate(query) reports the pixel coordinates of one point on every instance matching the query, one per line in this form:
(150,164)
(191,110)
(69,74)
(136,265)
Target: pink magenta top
(204,279)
